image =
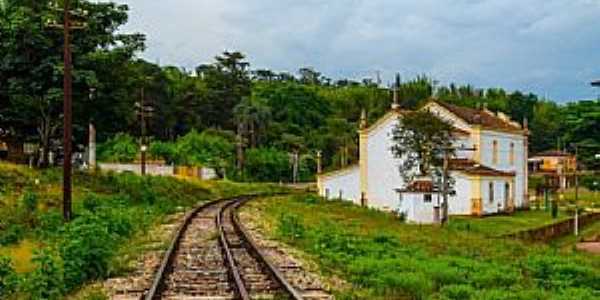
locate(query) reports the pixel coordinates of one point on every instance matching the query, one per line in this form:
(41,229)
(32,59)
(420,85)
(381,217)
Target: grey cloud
(546,47)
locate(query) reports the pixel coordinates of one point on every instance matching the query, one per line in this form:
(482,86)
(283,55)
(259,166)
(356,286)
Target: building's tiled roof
(473,168)
(557,153)
(458,131)
(479,117)
(420,186)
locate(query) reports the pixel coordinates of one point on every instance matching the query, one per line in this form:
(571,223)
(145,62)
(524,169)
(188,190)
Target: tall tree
(31,61)
(228,82)
(420,140)
(252,115)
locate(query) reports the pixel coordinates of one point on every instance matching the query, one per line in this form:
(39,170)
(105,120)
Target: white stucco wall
(520,160)
(498,203)
(345,183)
(416,209)
(383,169)
(151,169)
(460,203)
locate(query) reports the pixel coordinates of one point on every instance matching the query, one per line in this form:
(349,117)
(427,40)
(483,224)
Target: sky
(548,47)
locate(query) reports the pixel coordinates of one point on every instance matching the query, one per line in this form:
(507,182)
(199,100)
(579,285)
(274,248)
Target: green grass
(586,198)
(382,258)
(499,225)
(114,216)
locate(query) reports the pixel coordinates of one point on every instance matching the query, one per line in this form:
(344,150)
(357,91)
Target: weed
(290,227)
(8,277)
(47,280)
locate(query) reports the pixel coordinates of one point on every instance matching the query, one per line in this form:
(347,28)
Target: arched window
(511,155)
(495,152)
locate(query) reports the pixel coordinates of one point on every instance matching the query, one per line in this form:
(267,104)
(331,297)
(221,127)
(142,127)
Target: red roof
(478,117)
(420,186)
(473,168)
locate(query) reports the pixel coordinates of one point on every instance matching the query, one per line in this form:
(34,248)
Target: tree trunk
(252,135)
(44,131)
(240,148)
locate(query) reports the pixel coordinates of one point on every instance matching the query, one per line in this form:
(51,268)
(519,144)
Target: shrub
(121,148)
(8,277)
(290,227)
(12,234)
(28,208)
(118,221)
(29,202)
(163,150)
(47,279)
(591,182)
(86,250)
(457,292)
(92,202)
(267,164)
(552,272)
(50,224)
(204,149)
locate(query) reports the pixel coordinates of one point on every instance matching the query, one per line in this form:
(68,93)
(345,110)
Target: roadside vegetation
(382,258)
(43,258)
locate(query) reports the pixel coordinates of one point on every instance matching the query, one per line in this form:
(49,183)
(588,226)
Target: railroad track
(213,257)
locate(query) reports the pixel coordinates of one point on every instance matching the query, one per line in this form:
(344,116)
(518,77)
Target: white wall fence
(161,170)
(151,169)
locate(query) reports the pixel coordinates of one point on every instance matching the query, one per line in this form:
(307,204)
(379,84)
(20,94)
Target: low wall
(161,170)
(549,232)
(199,172)
(151,169)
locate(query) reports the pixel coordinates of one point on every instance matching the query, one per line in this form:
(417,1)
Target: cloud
(543,46)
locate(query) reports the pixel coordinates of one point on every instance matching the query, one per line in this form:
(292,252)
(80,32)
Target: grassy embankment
(382,258)
(42,258)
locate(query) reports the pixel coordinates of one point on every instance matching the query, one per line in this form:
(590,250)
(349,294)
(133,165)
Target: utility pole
(143,124)
(576,146)
(67,110)
(144,112)
(67,26)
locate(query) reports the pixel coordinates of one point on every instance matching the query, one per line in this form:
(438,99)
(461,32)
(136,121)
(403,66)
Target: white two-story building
(489,178)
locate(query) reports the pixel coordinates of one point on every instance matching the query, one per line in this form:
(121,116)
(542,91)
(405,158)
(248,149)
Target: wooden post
(143,123)
(67,112)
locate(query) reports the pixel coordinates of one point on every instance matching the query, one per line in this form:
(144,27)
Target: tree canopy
(305,111)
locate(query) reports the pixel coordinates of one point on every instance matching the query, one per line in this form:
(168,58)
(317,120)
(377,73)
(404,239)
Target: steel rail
(259,254)
(158,283)
(167,261)
(235,273)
